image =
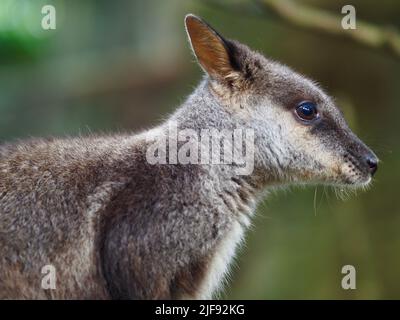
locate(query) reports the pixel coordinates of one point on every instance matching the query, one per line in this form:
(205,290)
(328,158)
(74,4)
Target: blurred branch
(318,20)
(235,7)
(307,17)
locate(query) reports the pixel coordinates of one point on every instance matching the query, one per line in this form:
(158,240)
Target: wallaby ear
(213,52)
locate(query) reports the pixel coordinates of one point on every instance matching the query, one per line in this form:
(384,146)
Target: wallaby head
(300,134)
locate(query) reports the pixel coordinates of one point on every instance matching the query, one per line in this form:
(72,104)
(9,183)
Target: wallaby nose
(372,163)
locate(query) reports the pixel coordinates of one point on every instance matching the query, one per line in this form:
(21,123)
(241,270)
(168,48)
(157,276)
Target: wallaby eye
(307,111)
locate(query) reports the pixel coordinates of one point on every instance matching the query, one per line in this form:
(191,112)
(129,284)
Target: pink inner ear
(208,48)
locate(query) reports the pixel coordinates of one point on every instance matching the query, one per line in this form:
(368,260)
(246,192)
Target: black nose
(372,163)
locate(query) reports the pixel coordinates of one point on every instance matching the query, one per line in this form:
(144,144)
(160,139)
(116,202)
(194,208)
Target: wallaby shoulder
(52,193)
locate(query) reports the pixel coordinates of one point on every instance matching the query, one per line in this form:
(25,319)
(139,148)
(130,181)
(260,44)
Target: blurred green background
(125,65)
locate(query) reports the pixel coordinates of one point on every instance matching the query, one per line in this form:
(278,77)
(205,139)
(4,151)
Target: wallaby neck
(203,110)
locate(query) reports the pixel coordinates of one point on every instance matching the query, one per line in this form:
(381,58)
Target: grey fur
(115,226)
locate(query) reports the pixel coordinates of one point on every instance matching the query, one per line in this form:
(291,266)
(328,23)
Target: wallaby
(115,225)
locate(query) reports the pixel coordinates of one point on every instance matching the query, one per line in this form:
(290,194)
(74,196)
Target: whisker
(315,201)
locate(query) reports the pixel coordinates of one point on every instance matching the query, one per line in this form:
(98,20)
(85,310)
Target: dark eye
(307,111)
